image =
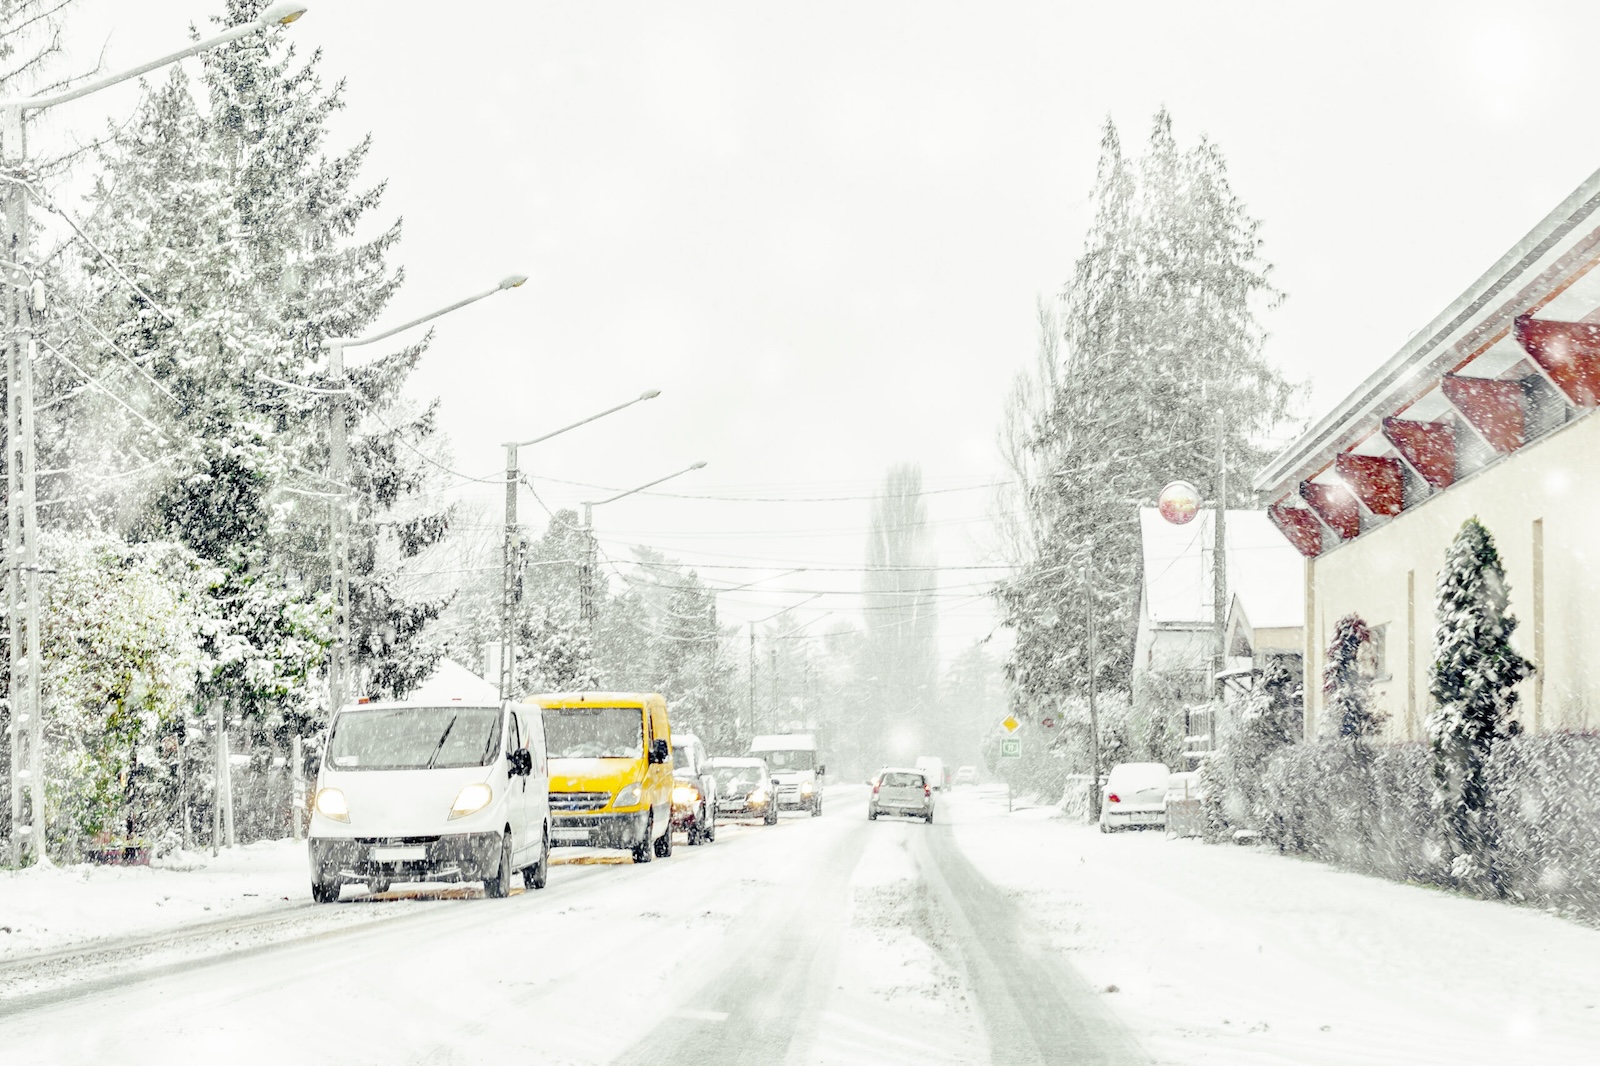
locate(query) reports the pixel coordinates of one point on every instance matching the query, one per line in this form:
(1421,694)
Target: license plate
(411,854)
(569,834)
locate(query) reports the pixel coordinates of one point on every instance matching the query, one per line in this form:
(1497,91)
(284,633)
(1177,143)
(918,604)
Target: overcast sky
(820,228)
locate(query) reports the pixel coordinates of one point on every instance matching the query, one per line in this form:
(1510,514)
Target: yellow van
(610,771)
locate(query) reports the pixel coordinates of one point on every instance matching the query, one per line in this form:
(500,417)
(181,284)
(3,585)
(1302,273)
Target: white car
(431,791)
(1134,794)
(899,790)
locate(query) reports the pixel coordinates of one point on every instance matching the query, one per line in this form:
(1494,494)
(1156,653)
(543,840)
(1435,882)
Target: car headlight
(759,796)
(628,795)
(806,788)
(471,799)
(685,795)
(331,804)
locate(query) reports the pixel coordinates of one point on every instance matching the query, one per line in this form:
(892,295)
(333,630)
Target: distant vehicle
(1134,794)
(430,791)
(694,790)
(744,788)
(610,771)
(795,765)
(966,775)
(901,791)
(933,767)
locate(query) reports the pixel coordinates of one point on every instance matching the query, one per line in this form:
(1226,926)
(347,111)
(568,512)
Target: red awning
(1569,352)
(1299,525)
(1379,482)
(1336,505)
(1430,448)
(1496,408)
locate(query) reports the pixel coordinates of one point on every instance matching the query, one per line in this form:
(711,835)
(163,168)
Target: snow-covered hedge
(1377,814)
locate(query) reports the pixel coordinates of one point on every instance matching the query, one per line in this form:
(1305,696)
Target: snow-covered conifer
(1473,684)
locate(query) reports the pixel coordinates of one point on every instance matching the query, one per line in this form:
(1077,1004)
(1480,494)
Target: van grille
(578,801)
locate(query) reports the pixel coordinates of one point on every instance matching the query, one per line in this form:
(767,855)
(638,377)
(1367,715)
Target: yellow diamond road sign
(1011,724)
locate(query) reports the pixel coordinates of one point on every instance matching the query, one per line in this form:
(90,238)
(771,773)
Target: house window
(1373,658)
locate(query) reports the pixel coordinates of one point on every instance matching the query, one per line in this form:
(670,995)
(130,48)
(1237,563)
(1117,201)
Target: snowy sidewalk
(1236,955)
(46,910)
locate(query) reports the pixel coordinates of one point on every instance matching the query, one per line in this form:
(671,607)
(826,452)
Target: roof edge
(1400,367)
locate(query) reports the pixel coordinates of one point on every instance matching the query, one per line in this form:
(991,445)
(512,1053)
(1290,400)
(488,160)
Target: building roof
(452,682)
(1264,571)
(1396,437)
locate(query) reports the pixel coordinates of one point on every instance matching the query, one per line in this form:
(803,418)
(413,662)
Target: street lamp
(513,540)
(339,475)
(586,569)
(763,621)
(26,299)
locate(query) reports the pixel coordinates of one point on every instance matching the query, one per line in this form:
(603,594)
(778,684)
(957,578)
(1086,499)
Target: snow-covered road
(828,940)
(985,938)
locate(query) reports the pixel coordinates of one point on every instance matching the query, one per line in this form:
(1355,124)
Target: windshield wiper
(437,748)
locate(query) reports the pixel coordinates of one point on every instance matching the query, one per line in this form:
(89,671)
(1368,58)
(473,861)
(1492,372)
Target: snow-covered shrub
(1545,795)
(1319,799)
(1232,778)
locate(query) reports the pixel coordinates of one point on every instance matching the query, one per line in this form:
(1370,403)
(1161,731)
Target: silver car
(898,790)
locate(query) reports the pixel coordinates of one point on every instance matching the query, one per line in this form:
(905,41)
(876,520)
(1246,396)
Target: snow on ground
(51,908)
(900,995)
(1238,955)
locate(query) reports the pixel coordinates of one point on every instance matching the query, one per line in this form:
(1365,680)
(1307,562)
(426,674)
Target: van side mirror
(822,771)
(521,761)
(659,752)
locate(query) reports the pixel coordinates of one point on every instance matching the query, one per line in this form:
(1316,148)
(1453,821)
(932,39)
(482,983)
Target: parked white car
(431,791)
(1134,794)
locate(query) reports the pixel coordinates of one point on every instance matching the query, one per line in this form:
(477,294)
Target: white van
(431,790)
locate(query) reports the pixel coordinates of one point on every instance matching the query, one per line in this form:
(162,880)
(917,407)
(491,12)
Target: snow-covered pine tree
(300,211)
(1159,331)
(555,650)
(1473,684)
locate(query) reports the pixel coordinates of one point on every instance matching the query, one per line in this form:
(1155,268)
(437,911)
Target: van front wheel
(644,851)
(538,875)
(664,845)
(499,886)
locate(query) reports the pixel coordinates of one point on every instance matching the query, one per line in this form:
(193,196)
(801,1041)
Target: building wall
(1542,506)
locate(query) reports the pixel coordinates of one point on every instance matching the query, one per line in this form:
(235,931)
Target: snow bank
(49,908)
(1242,956)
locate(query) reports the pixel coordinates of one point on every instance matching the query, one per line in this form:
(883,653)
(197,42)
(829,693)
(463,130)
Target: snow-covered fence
(1378,815)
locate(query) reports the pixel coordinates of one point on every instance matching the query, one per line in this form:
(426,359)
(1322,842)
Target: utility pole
(512,548)
(1094,714)
(339,532)
(511,560)
(25,298)
(752,679)
(1219,563)
(586,575)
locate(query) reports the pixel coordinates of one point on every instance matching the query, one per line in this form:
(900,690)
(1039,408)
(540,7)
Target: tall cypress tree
(1473,684)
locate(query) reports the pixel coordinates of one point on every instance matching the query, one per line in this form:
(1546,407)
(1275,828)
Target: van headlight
(628,796)
(806,788)
(471,799)
(758,797)
(685,795)
(331,804)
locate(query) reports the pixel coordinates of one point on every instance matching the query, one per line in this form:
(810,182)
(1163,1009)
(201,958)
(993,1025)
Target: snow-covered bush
(1232,778)
(1544,792)
(1377,816)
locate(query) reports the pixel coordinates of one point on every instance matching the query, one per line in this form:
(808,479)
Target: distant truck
(796,767)
(933,767)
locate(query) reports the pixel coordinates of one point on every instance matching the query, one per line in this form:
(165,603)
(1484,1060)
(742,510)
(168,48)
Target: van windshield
(415,738)
(788,760)
(594,732)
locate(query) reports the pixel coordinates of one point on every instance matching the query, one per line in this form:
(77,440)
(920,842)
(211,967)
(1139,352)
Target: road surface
(827,940)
